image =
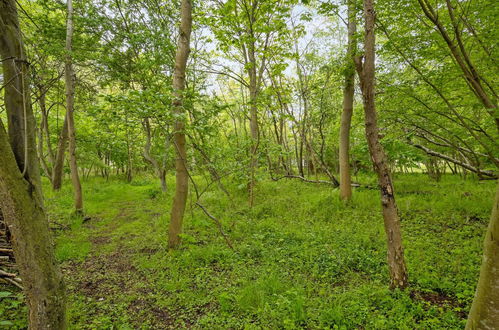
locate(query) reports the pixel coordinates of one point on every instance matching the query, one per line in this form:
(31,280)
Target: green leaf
(4,294)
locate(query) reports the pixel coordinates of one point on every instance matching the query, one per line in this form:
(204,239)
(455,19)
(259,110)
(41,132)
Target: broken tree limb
(469,167)
(354,184)
(304,179)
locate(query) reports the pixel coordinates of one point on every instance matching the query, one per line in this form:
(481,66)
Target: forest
(249,164)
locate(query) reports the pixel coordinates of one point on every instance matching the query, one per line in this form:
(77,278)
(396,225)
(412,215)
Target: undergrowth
(302,258)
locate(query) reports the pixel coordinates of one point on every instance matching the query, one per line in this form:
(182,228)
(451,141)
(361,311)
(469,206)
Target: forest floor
(302,259)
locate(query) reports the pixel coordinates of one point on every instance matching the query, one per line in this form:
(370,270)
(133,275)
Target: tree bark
(346,115)
(160,171)
(484,313)
(182,183)
(253,91)
(70,94)
(21,202)
(21,122)
(32,244)
(57,171)
(396,262)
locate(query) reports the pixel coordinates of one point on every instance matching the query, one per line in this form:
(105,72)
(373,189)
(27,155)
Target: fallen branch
(5,274)
(11,278)
(455,161)
(12,281)
(304,179)
(354,184)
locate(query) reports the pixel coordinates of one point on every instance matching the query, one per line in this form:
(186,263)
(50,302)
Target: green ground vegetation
(302,258)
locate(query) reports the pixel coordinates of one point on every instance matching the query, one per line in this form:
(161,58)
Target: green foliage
(302,259)
(12,310)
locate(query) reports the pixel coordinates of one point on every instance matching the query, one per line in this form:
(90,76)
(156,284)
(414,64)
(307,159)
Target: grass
(303,259)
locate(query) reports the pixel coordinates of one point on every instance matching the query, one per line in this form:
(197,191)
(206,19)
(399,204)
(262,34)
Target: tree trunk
(253,90)
(57,171)
(484,313)
(21,202)
(162,179)
(21,122)
(43,130)
(396,262)
(23,214)
(70,93)
(146,153)
(182,183)
(346,115)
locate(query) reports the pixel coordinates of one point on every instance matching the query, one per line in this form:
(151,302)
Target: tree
(70,92)
(256,29)
(182,175)
(21,121)
(346,115)
(20,191)
(365,69)
(484,313)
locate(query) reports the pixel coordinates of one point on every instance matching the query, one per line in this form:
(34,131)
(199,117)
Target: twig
(219,225)
(12,281)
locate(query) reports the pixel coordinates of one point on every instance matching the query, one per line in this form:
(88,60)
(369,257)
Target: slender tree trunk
(160,171)
(21,202)
(182,179)
(70,83)
(484,313)
(253,90)
(44,130)
(396,262)
(346,115)
(57,171)
(162,179)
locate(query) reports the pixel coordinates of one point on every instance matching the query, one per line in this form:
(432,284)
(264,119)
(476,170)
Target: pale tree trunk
(20,192)
(70,94)
(346,115)
(57,171)
(396,262)
(484,313)
(182,177)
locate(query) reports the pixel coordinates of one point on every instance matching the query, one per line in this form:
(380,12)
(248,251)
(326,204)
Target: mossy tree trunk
(21,122)
(32,244)
(20,192)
